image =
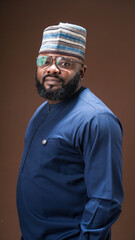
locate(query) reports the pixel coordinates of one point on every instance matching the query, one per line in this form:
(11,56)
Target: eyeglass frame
(55,57)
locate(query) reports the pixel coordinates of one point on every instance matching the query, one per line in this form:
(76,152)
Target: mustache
(51,75)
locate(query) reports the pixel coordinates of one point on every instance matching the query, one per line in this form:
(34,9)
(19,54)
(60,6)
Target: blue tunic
(70,179)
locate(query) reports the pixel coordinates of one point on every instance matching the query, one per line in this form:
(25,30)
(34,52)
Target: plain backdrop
(110,60)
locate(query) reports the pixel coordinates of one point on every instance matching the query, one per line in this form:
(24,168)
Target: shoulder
(37,113)
(39,110)
(91,101)
(90,105)
(95,113)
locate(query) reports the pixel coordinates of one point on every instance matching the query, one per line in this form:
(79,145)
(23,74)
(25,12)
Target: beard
(64,92)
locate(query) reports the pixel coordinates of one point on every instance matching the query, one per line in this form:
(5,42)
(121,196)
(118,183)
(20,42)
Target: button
(44,141)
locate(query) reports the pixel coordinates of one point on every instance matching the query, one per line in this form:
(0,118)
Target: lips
(49,77)
(52,79)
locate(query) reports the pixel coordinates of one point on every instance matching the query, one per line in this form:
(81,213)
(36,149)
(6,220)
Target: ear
(82,71)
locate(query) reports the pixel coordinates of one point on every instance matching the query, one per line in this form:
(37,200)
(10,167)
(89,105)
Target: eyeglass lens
(61,62)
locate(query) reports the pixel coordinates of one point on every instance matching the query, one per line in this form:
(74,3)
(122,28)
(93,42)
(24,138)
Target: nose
(53,69)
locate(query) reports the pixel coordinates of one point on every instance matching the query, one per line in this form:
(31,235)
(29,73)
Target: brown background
(110,75)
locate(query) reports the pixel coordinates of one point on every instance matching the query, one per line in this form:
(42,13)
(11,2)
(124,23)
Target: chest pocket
(49,151)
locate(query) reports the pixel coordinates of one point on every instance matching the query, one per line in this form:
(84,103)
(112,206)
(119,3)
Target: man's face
(58,81)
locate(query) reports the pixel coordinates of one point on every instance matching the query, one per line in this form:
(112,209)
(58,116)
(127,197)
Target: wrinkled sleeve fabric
(100,143)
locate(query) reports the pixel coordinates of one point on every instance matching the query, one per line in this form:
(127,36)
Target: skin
(67,75)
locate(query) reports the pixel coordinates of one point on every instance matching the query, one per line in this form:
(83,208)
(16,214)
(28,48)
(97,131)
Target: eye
(43,61)
(65,64)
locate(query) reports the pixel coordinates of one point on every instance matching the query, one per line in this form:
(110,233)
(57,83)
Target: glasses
(61,62)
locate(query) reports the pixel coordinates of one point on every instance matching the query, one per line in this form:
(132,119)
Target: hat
(64,38)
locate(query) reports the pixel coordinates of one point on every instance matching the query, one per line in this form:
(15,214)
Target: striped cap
(66,39)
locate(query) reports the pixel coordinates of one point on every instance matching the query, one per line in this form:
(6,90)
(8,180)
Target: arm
(101,147)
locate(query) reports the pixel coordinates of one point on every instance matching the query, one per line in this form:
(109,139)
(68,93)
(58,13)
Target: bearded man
(70,179)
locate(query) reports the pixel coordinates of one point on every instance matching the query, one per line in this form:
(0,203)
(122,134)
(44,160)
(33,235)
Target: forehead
(61,55)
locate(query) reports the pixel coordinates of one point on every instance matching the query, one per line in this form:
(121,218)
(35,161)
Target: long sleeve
(101,147)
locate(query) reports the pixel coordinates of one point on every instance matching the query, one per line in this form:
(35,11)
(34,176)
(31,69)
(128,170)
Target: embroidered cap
(67,39)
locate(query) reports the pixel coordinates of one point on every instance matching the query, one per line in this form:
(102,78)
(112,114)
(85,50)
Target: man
(70,180)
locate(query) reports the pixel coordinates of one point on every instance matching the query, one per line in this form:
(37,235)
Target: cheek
(39,74)
(68,77)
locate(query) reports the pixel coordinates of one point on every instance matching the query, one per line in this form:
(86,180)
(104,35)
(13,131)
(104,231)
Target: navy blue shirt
(70,178)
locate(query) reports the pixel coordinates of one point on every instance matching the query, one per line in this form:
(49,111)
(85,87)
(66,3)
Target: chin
(52,88)
(58,92)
